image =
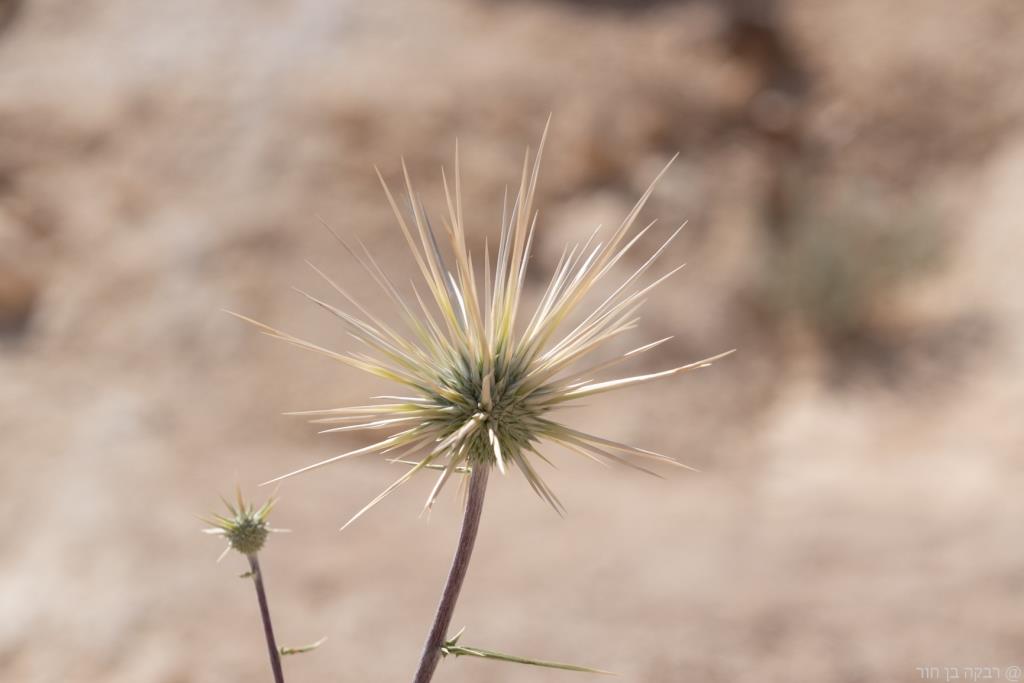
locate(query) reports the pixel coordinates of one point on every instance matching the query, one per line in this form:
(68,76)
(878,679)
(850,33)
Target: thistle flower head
(482,379)
(245,528)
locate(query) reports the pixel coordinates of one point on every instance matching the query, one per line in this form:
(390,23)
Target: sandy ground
(858,510)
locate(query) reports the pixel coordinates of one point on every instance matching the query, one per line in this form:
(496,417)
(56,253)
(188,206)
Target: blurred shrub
(839,266)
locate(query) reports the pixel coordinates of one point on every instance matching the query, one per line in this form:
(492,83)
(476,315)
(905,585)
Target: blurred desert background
(851,174)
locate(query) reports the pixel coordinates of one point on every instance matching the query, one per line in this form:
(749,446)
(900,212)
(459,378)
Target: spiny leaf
(451,647)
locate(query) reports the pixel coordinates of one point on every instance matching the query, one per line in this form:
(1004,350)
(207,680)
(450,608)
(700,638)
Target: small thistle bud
(246,528)
(247,535)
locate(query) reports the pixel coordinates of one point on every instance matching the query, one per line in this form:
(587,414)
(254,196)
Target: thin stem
(268,628)
(460,563)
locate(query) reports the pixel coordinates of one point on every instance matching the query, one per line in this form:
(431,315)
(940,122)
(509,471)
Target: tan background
(851,173)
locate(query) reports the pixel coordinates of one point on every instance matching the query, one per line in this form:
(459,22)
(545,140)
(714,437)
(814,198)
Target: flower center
(504,417)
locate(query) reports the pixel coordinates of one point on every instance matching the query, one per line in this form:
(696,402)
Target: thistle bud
(245,528)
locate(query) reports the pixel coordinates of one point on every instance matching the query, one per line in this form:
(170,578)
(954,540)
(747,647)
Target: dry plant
(481,380)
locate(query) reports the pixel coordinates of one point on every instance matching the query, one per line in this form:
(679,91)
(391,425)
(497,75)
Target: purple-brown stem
(456,576)
(268,628)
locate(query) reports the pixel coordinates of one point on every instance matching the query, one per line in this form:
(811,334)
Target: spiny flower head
(482,380)
(245,528)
